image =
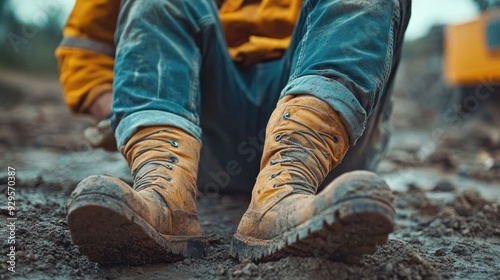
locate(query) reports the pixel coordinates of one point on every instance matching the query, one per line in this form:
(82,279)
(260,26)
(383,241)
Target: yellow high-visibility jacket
(254,30)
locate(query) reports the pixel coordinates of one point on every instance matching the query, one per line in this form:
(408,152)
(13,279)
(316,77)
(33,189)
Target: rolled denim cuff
(336,95)
(129,125)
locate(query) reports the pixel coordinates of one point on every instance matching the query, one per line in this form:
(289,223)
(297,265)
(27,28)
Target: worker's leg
(160,46)
(351,66)
(342,57)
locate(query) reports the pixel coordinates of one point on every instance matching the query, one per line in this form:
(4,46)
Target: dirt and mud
(447,200)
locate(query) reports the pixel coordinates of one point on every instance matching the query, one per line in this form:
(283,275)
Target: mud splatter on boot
(305,140)
(153,221)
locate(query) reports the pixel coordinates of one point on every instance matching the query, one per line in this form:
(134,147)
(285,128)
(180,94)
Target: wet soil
(448,213)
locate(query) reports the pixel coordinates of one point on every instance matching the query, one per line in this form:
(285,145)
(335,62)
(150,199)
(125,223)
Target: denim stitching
(194,88)
(304,40)
(205,22)
(390,44)
(201,24)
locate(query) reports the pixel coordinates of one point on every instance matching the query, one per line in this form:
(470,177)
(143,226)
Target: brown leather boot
(305,139)
(155,220)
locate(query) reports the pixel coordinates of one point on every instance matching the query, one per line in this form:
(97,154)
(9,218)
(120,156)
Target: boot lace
(148,177)
(296,157)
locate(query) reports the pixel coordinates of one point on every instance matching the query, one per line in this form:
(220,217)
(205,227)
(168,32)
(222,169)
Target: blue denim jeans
(172,68)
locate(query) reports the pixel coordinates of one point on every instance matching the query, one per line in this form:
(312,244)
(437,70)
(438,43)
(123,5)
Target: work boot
(153,221)
(305,139)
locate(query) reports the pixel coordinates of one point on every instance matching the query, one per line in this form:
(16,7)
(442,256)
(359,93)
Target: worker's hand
(102,106)
(101,135)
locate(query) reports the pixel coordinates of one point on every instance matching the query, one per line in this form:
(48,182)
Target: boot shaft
(305,140)
(165,158)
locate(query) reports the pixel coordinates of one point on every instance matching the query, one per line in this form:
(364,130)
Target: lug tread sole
(111,233)
(343,232)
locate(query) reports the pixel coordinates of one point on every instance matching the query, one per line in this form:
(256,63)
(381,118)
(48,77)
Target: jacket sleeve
(86,53)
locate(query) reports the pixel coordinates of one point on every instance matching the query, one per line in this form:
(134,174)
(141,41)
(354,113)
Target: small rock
(20,254)
(4,211)
(222,270)
(187,262)
(246,261)
(78,272)
(50,259)
(412,187)
(140,270)
(444,186)
(389,267)
(237,272)
(447,212)
(487,208)
(30,257)
(404,271)
(461,250)
(415,241)
(247,270)
(43,266)
(416,260)
(440,252)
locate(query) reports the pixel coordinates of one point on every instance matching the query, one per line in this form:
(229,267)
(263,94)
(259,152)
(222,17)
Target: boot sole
(109,232)
(343,232)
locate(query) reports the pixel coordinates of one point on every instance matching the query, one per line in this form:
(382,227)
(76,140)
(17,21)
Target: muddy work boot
(153,221)
(305,140)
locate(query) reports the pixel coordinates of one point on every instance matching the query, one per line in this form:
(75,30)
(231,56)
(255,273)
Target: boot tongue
(151,174)
(166,157)
(305,139)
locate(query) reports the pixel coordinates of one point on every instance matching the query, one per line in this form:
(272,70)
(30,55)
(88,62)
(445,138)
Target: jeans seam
(304,41)
(390,44)
(202,23)
(211,20)
(194,87)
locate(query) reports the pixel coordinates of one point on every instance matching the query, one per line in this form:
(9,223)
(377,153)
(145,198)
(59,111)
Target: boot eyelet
(275,186)
(277,137)
(274,175)
(174,143)
(172,159)
(169,178)
(286,115)
(170,167)
(335,139)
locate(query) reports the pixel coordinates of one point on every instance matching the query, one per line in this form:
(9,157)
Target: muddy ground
(447,189)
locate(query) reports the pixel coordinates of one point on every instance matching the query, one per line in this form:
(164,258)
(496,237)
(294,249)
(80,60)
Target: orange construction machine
(472,64)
